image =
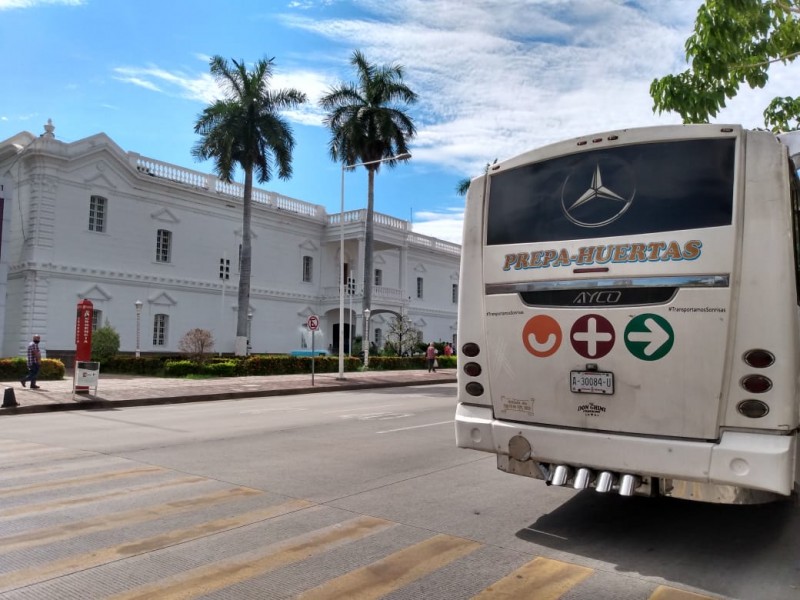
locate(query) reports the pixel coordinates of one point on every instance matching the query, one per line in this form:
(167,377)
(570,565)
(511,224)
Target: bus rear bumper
(740,459)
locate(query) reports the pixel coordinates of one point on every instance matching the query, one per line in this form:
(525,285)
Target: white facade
(89,220)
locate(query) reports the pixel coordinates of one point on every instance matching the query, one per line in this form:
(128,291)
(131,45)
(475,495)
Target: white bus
(628,314)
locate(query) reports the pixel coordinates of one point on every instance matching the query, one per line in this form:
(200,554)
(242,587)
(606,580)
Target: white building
(89,220)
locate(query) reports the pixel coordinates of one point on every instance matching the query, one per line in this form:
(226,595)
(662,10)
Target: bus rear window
(628,190)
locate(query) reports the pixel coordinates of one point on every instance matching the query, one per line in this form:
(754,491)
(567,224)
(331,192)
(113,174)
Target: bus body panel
(669,313)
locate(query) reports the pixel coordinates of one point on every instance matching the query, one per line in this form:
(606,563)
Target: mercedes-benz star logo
(599,205)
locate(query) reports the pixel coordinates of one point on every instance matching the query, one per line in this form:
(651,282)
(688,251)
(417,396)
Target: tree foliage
(196,343)
(402,335)
(105,343)
(245,129)
(368,123)
(734,42)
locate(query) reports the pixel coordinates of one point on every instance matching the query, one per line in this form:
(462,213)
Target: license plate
(591,382)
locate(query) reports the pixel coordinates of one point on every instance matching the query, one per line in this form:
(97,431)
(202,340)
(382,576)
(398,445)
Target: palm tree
(246,130)
(368,124)
(462,187)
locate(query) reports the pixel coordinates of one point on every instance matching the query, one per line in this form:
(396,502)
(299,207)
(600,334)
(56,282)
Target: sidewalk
(125,390)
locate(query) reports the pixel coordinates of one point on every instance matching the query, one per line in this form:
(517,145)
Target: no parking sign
(313,324)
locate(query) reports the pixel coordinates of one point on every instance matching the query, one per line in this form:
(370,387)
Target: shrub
(180,368)
(13,369)
(196,343)
(221,369)
(105,343)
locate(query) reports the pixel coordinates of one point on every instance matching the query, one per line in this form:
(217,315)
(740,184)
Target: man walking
(34,362)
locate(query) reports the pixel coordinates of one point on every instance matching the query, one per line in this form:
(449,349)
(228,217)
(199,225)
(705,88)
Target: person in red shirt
(430,356)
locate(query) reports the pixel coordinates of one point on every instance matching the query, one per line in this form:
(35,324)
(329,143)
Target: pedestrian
(34,362)
(430,356)
(448,350)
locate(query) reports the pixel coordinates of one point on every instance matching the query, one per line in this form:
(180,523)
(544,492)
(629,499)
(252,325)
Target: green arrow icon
(649,337)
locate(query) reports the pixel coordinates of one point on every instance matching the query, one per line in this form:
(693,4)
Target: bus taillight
(471,349)
(759,359)
(754,409)
(474,388)
(756,384)
(472,369)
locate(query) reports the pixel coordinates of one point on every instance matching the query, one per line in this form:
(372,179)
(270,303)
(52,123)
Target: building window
(455,293)
(378,337)
(308,264)
(419,287)
(97,213)
(163,244)
(239,266)
(97,319)
(303,343)
(160,323)
(378,277)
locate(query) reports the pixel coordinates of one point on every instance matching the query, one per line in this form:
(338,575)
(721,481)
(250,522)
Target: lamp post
(403,156)
(366,337)
(138,305)
(249,326)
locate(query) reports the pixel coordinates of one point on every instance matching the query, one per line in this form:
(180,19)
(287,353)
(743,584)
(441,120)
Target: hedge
(12,369)
(258,364)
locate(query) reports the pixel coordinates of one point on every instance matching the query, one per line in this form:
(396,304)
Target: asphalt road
(349,495)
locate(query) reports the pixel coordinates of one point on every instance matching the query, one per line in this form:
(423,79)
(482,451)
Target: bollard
(9,399)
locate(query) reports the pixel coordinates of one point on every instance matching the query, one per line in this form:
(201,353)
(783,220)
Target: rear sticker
(542,336)
(592,336)
(649,337)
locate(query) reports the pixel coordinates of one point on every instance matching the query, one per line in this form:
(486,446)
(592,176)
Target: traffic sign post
(313,324)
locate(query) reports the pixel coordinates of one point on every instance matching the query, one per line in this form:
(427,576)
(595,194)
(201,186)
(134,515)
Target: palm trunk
(369,236)
(243,300)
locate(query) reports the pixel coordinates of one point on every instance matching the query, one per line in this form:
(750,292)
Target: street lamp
(366,337)
(403,156)
(138,305)
(249,327)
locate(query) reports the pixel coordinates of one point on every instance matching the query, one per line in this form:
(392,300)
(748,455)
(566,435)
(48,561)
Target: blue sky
(494,78)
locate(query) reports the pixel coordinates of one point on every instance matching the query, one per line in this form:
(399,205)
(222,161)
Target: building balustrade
(196,179)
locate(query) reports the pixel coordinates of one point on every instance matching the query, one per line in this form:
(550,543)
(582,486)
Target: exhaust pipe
(582,479)
(628,484)
(561,475)
(605,481)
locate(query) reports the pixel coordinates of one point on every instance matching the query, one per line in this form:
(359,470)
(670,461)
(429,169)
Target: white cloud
(445,225)
(12,4)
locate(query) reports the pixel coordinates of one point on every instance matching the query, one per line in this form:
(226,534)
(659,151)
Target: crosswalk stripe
(73,481)
(664,592)
(205,580)
(71,564)
(394,571)
(29,509)
(76,464)
(122,519)
(540,579)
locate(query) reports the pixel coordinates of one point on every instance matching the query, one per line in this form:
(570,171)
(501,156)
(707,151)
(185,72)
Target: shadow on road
(721,548)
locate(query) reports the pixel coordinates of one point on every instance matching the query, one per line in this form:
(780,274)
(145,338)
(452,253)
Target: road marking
(205,580)
(395,571)
(123,519)
(62,483)
(542,578)
(416,426)
(384,416)
(79,562)
(664,592)
(29,509)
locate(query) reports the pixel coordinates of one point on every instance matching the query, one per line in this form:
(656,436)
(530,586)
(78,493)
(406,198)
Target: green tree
(734,42)
(368,123)
(246,130)
(105,343)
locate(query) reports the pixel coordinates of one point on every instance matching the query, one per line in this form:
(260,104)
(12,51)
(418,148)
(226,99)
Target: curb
(102,404)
